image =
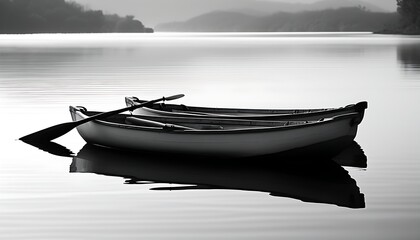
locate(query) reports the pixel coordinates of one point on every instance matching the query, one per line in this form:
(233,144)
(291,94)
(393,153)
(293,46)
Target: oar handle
(173,97)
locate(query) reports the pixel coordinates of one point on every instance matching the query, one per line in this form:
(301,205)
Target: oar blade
(50,133)
(56,131)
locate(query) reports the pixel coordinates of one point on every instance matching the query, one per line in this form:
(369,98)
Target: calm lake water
(43,196)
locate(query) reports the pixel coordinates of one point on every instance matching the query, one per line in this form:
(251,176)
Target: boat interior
(220,111)
(195,123)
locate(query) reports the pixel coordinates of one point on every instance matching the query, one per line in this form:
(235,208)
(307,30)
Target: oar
(59,130)
(150,123)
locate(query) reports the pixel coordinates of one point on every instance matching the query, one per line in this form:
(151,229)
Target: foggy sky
(152,12)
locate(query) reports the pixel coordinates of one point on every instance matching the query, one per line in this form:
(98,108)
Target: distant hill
(342,19)
(334,4)
(268,7)
(154,12)
(218,21)
(60,16)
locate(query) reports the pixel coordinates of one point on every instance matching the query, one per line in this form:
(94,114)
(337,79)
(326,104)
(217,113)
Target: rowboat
(314,180)
(217,136)
(180,110)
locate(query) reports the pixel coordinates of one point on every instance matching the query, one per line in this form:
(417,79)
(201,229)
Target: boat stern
(360,108)
(73,110)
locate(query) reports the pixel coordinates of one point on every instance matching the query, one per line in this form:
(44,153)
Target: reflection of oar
(59,130)
(53,148)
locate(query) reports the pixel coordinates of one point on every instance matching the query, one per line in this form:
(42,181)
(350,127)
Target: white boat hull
(228,143)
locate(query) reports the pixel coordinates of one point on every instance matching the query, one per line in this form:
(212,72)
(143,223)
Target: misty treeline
(340,20)
(410,16)
(52,16)
(329,20)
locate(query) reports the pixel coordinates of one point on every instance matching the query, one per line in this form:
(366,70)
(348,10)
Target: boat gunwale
(359,107)
(80,110)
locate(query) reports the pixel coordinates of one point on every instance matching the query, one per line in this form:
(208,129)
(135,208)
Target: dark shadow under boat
(318,180)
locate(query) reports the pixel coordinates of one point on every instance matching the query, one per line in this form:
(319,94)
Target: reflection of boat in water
(320,181)
(352,156)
